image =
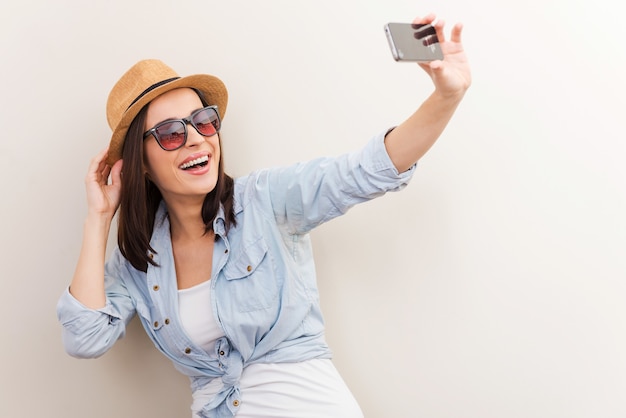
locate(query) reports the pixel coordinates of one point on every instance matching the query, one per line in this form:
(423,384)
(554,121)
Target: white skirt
(310,389)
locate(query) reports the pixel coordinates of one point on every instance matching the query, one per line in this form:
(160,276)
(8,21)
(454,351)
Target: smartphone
(413,42)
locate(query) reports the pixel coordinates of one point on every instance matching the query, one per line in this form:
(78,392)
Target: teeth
(191,163)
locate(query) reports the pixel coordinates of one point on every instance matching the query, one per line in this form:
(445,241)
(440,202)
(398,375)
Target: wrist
(452,98)
(98,219)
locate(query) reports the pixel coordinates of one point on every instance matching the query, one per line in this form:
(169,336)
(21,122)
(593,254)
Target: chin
(208,187)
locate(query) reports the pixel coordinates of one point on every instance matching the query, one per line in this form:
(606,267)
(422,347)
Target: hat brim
(212,87)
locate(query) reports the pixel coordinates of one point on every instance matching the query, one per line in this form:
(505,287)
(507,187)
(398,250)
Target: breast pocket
(251,278)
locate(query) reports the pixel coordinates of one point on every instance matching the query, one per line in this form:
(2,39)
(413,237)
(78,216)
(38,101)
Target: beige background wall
(494,286)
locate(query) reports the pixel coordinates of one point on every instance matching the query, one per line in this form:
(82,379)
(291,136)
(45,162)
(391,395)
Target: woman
(220,271)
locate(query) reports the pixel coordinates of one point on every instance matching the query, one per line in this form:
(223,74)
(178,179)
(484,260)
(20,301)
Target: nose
(193,137)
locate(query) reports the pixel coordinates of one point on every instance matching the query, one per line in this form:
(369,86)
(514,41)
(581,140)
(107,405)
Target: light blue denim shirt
(264,291)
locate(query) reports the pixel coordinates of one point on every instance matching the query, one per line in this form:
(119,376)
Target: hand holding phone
(414,42)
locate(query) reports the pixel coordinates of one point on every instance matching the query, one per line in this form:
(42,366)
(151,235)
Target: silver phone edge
(392,45)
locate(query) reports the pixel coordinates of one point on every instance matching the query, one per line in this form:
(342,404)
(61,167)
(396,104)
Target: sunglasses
(172,134)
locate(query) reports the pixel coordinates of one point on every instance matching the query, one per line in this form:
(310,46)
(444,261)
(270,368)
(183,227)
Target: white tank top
(309,389)
(196,315)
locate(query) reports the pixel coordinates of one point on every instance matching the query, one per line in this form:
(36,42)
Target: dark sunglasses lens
(206,121)
(171,135)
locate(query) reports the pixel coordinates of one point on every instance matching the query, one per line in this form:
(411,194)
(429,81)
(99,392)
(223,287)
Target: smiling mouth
(197,163)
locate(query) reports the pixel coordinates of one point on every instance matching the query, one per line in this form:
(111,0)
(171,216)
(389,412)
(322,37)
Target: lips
(194,162)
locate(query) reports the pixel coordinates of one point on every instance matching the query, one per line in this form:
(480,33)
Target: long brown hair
(140,198)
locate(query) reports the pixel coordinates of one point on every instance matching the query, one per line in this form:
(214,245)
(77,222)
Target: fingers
(455,36)
(99,169)
(439,26)
(425,66)
(94,172)
(436,67)
(97,160)
(429,18)
(116,172)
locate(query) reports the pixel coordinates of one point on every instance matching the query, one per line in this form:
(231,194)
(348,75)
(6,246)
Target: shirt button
(226,251)
(236,403)
(167,321)
(222,352)
(249,268)
(151,256)
(187,350)
(156,324)
(155,287)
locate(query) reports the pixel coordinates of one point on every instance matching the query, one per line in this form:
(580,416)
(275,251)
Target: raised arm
(102,200)
(409,141)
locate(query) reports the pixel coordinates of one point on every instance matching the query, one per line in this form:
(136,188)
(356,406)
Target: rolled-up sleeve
(89,333)
(306,195)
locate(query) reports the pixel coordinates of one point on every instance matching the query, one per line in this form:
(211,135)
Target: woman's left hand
(451,76)
(410,140)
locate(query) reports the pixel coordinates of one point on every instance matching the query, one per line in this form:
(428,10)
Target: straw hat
(144,82)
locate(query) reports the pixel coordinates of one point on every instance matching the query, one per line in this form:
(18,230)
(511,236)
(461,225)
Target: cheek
(155,162)
(217,149)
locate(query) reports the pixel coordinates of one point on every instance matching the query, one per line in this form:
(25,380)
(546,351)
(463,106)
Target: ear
(146,173)
(144,168)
